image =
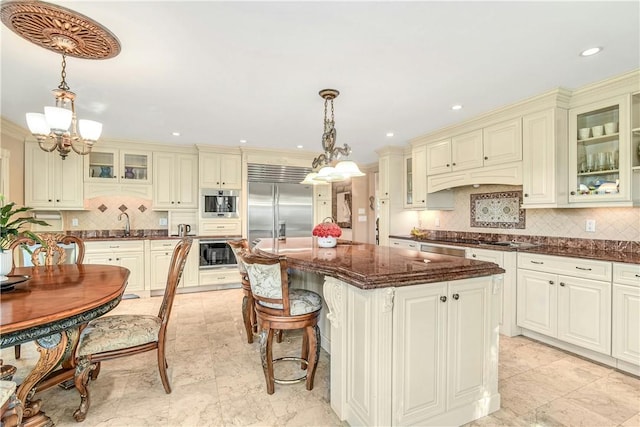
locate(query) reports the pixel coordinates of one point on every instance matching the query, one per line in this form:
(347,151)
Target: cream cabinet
(544,172)
(322,203)
(220,227)
(507,302)
(175,181)
(390,192)
(51,182)
(111,165)
(161,252)
(600,157)
(419,199)
(566,298)
(384,218)
(404,244)
(626,313)
(124,253)
(407,185)
(493,145)
(220,170)
(442,350)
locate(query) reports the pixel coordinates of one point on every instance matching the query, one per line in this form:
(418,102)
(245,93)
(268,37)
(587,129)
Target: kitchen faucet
(127,227)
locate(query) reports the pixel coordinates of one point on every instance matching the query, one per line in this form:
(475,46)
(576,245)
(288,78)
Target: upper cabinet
(544,142)
(600,156)
(416,180)
(220,170)
(175,181)
(51,182)
(492,145)
(105,165)
(408,182)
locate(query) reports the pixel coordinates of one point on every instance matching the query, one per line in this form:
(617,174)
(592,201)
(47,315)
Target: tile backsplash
(102,214)
(611,223)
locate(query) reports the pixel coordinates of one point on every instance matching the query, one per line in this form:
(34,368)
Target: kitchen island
(413,337)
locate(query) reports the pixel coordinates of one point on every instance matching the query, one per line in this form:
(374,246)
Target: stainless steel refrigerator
(279,210)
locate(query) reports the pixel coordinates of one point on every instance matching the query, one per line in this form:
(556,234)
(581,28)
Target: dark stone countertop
(368,266)
(584,253)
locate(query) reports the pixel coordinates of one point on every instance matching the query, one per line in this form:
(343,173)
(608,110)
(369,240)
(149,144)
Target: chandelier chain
(63,84)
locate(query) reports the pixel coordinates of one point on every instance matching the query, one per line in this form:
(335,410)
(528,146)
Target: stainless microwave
(219,203)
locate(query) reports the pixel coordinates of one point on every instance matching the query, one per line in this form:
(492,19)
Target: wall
(611,223)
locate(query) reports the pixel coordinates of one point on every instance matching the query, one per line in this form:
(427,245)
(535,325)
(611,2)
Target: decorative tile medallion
(497,210)
(102,208)
(122,208)
(142,208)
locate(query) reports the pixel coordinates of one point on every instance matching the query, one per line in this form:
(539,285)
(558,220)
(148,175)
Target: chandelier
(343,169)
(67,32)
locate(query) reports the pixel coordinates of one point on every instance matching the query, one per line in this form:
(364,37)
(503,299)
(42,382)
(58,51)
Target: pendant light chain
(63,84)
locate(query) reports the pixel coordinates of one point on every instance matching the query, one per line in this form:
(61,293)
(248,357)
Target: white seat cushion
(301,301)
(117,332)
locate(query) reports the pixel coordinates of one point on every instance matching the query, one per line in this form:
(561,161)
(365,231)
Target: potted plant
(327,233)
(12,219)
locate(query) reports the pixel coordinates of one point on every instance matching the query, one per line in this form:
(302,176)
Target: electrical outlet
(74,222)
(163,221)
(590,225)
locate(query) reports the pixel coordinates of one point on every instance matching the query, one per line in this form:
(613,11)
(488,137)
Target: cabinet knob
(172,202)
(453,164)
(573,193)
(178,202)
(423,201)
(526,195)
(473,255)
(551,282)
(443,298)
(486,158)
(223,183)
(217,183)
(51,200)
(57,200)
(110,259)
(121,177)
(562,283)
(455,296)
(117,259)
(448,165)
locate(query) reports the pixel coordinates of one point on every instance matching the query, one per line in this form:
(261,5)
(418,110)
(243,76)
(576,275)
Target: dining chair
(279,307)
(50,252)
(116,336)
(248,310)
(11,409)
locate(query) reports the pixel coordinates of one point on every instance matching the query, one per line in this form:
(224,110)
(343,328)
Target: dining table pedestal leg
(53,349)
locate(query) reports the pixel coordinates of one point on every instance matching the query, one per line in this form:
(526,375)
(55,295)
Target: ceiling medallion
(59,29)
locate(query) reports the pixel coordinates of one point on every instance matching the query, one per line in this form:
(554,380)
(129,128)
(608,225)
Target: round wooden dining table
(49,308)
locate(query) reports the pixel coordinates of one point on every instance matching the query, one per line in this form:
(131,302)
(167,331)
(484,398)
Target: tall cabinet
(390,191)
(175,181)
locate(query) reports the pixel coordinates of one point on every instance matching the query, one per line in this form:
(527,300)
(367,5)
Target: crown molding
(13,130)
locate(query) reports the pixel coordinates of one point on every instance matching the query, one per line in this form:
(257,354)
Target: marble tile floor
(217,380)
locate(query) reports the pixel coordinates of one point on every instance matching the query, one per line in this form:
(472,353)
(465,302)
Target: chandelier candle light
(342,170)
(67,32)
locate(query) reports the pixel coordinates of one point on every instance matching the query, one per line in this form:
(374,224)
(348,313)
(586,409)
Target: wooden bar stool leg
(305,350)
(266,352)
(313,336)
(247,315)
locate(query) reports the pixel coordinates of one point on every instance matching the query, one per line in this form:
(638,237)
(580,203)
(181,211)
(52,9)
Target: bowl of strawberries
(327,233)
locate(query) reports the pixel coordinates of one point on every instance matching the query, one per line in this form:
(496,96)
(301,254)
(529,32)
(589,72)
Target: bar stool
(248,310)
(280,308)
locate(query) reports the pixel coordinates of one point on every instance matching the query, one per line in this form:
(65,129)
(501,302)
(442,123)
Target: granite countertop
(544,249)
(368,266)
(134,236)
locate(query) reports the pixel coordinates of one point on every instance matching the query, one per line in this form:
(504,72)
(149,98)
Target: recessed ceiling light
(389,134)
(175,133)
(591,51)
(457,107)
(243,141)
(299,146)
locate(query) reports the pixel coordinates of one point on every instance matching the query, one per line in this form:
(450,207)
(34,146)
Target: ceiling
(219,72)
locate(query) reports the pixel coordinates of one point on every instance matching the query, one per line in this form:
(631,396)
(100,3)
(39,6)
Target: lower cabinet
(442,352)
(572,309)
(404,244)
(160,254)
(626,313)
(128,254)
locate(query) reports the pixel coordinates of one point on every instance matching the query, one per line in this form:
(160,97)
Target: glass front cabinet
(600,156)
(112,165)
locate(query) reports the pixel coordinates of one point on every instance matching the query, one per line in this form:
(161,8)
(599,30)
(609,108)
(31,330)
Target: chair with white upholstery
(279,307)
(248,310)
(116,336)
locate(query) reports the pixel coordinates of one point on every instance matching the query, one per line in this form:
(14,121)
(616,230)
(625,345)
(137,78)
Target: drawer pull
(637,275)
(114,247)
(456,296)
(562,283)
(551,282)
(582,268)
(220,226)
(537,262)
(443,298)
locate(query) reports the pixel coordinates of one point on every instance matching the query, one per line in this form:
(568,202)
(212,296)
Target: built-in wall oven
(216,253)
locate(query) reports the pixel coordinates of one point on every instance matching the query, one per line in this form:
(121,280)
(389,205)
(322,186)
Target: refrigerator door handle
(276,203)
